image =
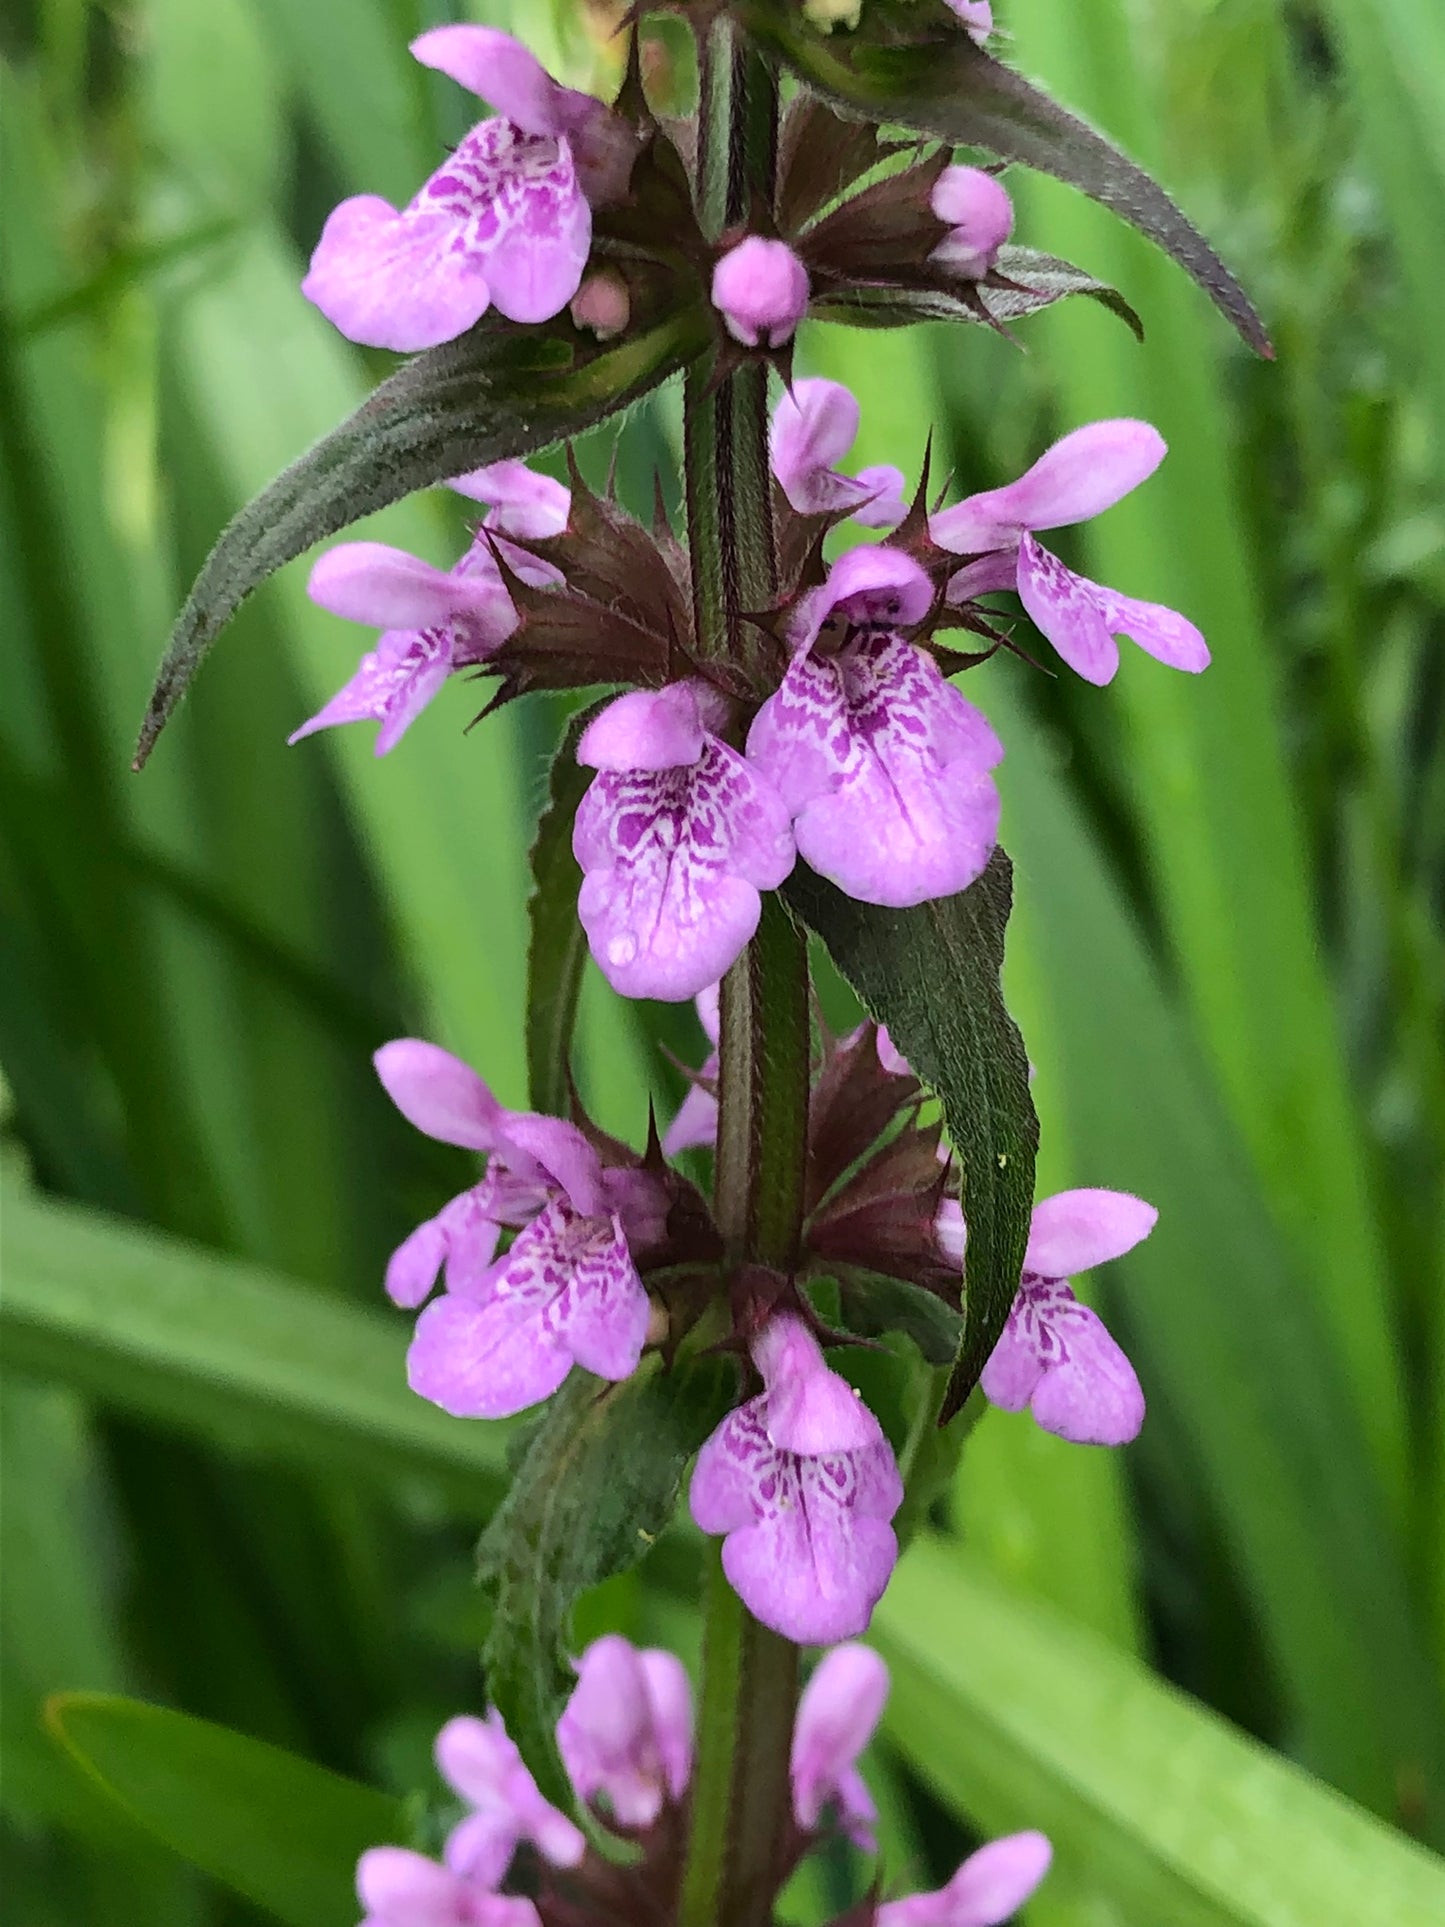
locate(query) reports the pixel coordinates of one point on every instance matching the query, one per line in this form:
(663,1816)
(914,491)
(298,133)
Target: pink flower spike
(976,210)
(760,288)
(521,502)
(1076,1230)
(478,1760)
(627,1730)
(840,1707)
(988,1889)
(807,1545)
(976,16)
(813,427)
(676,837)
(811,1410)
(399,1888)
(567,1292)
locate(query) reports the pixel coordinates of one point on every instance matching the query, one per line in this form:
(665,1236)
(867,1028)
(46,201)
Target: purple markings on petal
(566,1292)
(503,222)
(505,74)
(879,588)
(883,766)
(392,686)
(813,427)
(462,1236)
(626,1732)
(674,857)
(840,1707)
(988,1889)
(979,216)
(1066,608)
(810,1409)
(760,288)
(1056,1358)
(807,1544)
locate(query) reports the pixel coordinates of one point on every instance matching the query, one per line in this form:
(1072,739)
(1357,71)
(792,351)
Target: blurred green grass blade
(443,815)
(347,61)
(1018,1718)
(1207,762)
(276,1829)
(1394,60)
(225,1351)
(1229,1335)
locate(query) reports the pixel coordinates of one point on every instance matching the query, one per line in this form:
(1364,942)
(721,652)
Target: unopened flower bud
(760,287)
(602,305)
(979,215)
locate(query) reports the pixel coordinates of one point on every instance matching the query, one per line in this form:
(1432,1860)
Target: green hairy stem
(750,1676)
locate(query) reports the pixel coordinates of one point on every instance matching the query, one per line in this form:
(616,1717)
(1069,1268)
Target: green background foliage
(1203,1663)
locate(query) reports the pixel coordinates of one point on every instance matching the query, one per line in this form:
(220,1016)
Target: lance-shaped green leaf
(918,69)
(1025,282)
(931,974)
(282,1832)
(595,1486)
(497,392)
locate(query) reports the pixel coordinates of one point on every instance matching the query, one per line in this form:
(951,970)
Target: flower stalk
(750,1674)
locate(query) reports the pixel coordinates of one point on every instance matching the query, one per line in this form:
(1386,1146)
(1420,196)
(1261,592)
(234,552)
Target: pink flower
(760,288)
(627,1730)
(882,764)
(802,1483)
(435,621)
(676,837)
(976,15)
(399,1888)
(696,1120)
(979,216)
(814,426)
(1055,1356)
(840,1707)
(478,1760)
(505,222)
(988,1888)
(508,1330)
(1079,477)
